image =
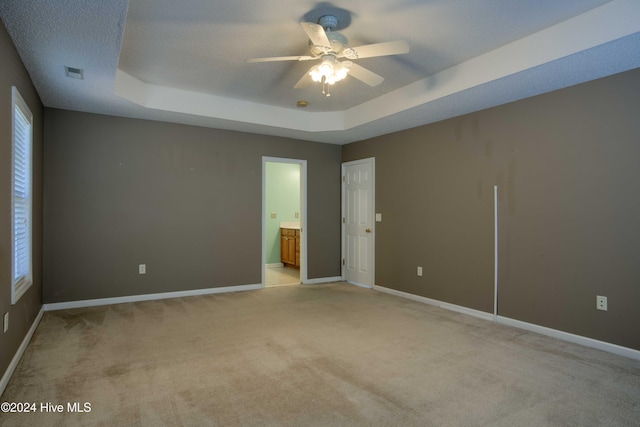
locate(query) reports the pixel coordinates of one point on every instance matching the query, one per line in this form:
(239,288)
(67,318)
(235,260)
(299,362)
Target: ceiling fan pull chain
(325,86)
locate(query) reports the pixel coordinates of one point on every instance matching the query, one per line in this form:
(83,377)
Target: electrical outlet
(6,321)
(297,215)
(142,269)
(420,271)
(601,303)
(274,215)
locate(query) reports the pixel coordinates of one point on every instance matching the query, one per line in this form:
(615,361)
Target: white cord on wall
(495,253)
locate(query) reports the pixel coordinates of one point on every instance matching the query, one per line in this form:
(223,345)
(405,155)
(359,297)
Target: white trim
(554,333)
(359,284)
(148,297)
(576,339)
(441,304)
(303,215)
(343,256)
(16,358)
(274,265)
(322,280)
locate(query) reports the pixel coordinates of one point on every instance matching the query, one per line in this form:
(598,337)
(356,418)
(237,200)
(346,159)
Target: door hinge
(342,261)
(344,221)
(344,178)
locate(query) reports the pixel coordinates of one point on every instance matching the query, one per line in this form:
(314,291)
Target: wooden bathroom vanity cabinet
(290,247)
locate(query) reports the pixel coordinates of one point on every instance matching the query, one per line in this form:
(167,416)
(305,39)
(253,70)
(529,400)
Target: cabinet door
(284,249)
(288,250)
(291,249)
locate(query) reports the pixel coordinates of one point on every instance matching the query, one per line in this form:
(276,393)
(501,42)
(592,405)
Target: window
(21,197)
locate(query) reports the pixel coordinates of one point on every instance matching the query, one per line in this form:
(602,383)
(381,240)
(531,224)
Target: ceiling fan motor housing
(338,42)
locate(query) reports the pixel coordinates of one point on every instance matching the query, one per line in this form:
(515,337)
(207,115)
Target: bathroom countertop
(290,224)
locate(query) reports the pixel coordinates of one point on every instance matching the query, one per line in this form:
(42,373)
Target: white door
(358,222)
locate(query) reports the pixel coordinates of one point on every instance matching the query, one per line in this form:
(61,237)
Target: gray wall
(21,315)
(186,201)
(567,167)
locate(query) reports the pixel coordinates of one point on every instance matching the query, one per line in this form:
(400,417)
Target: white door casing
(358,222)
(303,214)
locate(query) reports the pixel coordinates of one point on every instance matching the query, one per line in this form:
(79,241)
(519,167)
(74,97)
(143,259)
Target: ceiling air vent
(74,73)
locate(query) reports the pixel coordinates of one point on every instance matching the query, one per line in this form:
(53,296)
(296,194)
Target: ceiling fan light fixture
(342,69)
(329,71)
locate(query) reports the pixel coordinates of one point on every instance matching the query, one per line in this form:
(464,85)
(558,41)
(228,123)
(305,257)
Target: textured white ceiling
(186,61)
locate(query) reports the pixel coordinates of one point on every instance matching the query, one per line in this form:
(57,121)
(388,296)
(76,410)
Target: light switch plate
(274,215)
(378,217)
(142,269)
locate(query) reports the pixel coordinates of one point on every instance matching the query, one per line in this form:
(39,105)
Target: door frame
(343,257)
(303,214)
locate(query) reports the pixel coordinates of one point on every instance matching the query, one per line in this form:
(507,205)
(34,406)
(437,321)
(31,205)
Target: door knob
(368,230)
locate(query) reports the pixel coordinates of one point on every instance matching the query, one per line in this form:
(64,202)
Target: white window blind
(21,197)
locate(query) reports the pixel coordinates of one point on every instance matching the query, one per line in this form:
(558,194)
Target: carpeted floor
(303,355)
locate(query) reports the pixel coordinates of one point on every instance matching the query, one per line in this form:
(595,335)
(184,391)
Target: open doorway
(283,220)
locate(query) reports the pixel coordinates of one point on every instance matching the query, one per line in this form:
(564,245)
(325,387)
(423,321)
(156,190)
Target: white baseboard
(441,304)
(322,280)
(576,339)
(359,284)
(274,265)
(16,358)
(148,297)
(565,336)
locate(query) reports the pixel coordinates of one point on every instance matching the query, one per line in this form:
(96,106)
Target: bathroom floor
(281,276)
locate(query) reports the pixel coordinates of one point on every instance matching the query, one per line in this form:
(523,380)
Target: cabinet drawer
(288,232)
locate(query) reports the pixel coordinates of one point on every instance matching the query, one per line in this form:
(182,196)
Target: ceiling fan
(329,46)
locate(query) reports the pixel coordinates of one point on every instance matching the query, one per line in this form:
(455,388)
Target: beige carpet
(312,355)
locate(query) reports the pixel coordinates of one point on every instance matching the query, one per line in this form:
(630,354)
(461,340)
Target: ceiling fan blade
(364,75)
(378,49)
(282,58)
(317,35)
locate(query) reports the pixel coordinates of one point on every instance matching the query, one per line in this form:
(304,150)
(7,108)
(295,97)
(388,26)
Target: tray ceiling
(185,62)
